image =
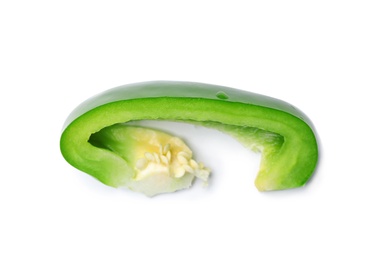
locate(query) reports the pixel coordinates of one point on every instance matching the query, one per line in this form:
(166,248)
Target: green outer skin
(288,166)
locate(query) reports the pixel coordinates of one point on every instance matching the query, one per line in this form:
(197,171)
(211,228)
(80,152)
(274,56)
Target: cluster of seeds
(164,157)
(177,168)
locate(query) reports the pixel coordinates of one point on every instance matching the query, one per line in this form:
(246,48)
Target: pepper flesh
(282,133)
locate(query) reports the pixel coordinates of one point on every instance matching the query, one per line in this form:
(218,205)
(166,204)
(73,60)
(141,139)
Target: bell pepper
(98,140)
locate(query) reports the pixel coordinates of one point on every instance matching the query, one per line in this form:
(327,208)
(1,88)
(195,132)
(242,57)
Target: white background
(329,58)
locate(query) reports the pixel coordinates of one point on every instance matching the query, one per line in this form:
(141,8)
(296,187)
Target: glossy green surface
(282,133)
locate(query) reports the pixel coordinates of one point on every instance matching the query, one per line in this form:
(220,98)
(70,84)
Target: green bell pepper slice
(282,133)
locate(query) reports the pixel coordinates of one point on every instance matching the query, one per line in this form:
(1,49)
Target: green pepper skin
(288,162)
